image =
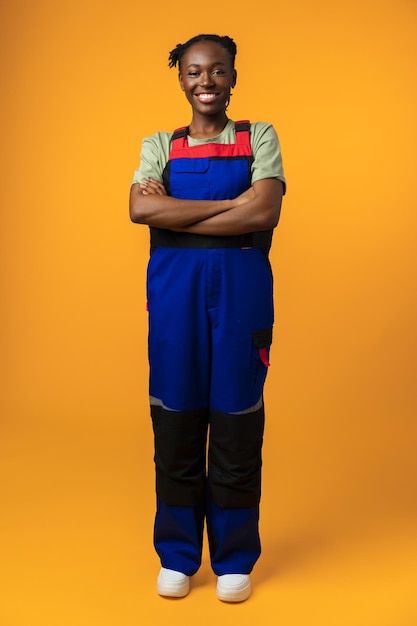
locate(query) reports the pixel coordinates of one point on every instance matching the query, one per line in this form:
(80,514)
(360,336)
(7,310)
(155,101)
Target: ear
(180,81)
(234,78)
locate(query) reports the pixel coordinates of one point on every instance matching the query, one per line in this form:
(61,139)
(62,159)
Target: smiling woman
(207,75)
(211,194)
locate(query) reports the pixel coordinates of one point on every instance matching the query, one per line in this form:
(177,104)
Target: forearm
(260,213)
(237,221)
(164,211)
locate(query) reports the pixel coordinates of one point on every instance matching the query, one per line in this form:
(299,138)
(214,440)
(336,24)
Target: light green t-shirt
(266,151)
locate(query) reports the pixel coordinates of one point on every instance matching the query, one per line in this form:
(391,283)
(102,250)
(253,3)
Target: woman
(211,195)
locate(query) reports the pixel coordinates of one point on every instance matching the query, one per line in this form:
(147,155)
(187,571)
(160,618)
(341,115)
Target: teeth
(206,96)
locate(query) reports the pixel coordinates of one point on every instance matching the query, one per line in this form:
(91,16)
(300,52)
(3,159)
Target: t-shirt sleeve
(267,153)
(153,157)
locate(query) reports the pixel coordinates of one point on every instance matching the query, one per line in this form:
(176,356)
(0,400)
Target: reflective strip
(251,409)
(158,402)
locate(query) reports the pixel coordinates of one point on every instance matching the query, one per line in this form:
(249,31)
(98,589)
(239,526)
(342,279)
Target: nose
(206,79)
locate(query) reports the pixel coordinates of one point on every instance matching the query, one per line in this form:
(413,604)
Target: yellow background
(82,83)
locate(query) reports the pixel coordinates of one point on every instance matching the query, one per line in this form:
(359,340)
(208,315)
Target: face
(206,76)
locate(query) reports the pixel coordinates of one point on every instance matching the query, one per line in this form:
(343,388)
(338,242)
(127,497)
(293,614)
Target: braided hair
(226,42)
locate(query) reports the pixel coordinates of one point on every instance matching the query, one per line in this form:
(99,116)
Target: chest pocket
(189,179)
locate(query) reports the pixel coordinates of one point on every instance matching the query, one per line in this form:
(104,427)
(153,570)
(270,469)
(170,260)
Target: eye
(192,74)
(218,72)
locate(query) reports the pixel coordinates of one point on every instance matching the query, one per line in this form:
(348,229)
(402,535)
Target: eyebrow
(212,65)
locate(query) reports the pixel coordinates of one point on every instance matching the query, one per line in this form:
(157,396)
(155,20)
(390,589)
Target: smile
(206,97)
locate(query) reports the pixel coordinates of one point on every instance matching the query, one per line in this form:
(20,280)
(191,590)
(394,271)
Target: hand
(150,187)
(244,197)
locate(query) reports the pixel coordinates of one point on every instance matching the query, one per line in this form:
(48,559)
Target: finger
(147,187)
(157,187)
(144,189)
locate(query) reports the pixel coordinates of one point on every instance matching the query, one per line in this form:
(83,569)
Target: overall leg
(242,331)
(179,346)
(180,460)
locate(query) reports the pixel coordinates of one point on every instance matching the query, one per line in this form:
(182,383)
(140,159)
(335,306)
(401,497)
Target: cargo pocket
(188,180)
(262,340)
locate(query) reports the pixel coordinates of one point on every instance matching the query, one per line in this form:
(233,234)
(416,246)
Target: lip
(206,96)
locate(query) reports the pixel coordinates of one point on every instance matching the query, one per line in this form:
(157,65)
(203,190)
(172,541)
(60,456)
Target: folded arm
(256,209)
(150,205)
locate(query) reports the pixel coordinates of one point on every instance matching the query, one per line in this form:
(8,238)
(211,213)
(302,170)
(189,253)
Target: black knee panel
(235,458)
(180,455)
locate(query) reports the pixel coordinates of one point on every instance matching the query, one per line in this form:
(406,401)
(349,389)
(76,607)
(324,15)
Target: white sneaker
(233,587)
(173,584)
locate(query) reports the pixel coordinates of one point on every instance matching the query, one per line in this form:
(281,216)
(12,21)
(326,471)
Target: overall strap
(242,130)
(179,138)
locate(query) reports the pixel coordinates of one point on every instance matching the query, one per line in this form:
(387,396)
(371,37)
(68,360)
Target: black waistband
(171,239)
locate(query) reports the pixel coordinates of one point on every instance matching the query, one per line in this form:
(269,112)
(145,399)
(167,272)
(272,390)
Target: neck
(204,128)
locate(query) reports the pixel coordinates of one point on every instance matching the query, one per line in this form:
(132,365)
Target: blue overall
(210,308)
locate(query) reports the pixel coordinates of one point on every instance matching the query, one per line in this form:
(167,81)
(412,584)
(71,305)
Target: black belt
(161,237)
(173,239)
